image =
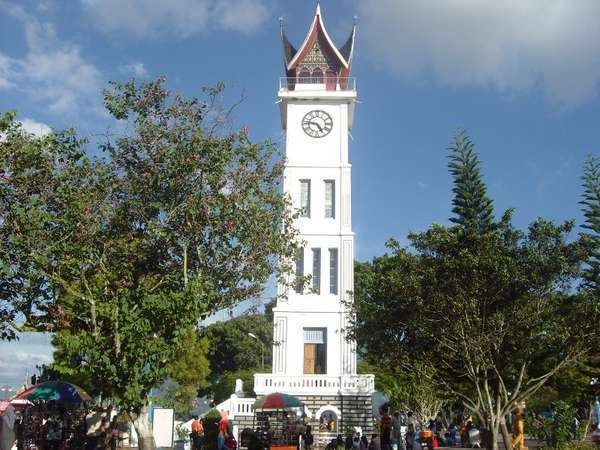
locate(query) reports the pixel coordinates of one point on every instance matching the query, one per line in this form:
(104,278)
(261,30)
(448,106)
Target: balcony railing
(319,83)
(265,383)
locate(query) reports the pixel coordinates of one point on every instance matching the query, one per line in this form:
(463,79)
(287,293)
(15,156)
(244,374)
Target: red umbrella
(277,400)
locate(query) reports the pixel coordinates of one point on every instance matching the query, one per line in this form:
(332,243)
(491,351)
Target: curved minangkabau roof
(292,57)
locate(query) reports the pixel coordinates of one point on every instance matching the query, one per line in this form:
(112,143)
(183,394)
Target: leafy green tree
(591,211)
(187,374)
(42,185)
(233,347)
(473,209)
(238,347)
(182,218)
(482,303)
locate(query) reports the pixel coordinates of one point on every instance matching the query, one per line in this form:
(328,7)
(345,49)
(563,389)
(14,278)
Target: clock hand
(318,126)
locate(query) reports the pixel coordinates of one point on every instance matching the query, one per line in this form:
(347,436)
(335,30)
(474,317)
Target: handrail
(318,83)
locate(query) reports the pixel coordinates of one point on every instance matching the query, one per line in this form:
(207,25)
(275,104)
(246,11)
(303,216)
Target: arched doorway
(329,419)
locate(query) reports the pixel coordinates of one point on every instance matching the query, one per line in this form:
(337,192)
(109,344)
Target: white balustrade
(314,384)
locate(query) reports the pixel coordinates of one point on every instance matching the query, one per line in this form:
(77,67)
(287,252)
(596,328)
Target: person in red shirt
(223,431)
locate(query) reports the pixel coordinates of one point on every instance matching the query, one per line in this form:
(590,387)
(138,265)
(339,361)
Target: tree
(187,374)
(473,208)
(409,390)
(591,211)
(234,352)
(483,303)
(40,179)
(183,217)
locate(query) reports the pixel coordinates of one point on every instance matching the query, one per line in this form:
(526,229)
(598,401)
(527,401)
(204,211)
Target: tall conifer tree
(591,212)
(473,208)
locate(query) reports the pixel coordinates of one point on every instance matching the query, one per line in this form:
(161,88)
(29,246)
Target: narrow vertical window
(333,271)
(300,271)
(305,198)
(330,199)
(316,274)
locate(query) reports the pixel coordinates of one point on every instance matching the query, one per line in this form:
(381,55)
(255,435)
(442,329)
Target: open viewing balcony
(266,383)
(319,84)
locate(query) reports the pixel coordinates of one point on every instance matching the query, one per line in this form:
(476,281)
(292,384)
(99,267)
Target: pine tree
(591,212)
(473,208)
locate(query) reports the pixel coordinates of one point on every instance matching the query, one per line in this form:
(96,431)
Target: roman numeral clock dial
(317,123)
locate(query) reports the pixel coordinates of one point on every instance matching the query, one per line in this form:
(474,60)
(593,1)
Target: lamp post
(262,350)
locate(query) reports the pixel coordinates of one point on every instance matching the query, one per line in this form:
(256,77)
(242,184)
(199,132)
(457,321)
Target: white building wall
(318,159)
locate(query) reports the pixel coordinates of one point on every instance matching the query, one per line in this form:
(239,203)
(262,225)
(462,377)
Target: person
(356,442)
(397,430)
(348,443)
(308,438)
(114,434)
(375,443)
(223,431)
(364,443)
(53,431)
(386,430)
(197,433)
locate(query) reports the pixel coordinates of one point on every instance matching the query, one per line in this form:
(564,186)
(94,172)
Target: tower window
(315,351)
(316,274)
(317,76)
(305,198)
(299,288)
(333,271)
(330,199)
(304,75)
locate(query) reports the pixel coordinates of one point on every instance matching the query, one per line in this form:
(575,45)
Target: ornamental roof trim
(292,56)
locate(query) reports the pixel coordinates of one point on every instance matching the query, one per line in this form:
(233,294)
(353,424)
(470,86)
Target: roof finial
(318,11)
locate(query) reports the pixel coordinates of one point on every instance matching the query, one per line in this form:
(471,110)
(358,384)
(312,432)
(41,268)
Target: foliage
(233,353)
(409,390)
(232,348)
(182,218)
(557,431)
(188,372)
(224,385)
(211,429)
(42,182)
(591,211)
(482,303)
(473,208)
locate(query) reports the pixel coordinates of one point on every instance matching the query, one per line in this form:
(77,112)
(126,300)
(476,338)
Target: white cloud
(38,129)
(20,358)
(513,45)
(178,18)
(245,16)
(136,69)
(52,72)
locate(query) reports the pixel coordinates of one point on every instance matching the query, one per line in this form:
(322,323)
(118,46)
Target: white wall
(318,159)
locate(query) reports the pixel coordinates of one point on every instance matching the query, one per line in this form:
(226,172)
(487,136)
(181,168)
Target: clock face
(317,123)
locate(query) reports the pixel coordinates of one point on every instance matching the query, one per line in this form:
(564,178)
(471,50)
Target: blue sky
(521,77)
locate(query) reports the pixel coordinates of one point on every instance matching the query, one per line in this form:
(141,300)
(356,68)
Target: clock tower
(313,359)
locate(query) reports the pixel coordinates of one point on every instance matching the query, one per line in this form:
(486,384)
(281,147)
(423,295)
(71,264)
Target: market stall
(53,417)
(279,417)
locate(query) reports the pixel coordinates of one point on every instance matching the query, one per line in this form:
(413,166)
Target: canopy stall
(52,411)
(280,418)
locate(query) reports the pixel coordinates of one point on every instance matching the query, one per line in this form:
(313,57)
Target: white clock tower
(312,357)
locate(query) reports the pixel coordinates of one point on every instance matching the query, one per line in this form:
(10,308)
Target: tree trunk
(492,437)
(505,435)
(143,430)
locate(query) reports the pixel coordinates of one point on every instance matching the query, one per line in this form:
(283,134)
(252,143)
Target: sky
(522,78)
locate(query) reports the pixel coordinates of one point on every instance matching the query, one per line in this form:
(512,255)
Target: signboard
(162,427)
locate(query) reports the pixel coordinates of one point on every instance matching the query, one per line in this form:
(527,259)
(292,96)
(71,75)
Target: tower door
(315,351)
(310,357)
